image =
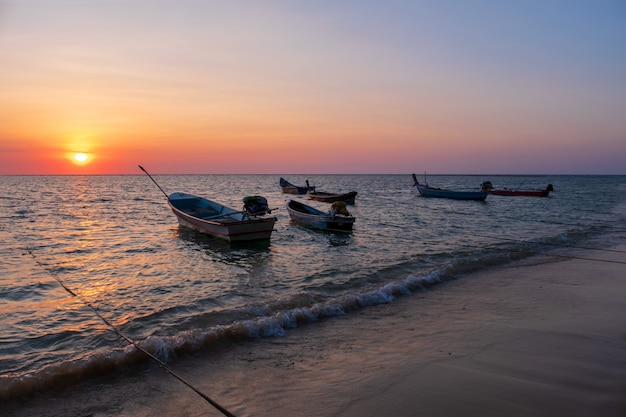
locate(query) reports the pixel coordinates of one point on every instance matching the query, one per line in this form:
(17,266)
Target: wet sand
(538,338)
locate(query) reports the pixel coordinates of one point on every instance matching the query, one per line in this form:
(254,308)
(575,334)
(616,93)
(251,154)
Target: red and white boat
(487,186)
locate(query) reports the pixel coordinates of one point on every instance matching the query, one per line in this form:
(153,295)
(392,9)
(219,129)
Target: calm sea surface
(114,243)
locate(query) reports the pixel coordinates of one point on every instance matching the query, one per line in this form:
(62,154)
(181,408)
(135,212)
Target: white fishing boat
(221,221)
(218,220)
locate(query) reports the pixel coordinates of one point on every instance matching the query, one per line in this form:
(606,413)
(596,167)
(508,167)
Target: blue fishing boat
(427,191)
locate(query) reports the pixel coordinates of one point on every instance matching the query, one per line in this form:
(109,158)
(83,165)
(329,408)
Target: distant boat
(218,220)
(348,198)
(487,186)
(312,217)
(289,188)
(427,191)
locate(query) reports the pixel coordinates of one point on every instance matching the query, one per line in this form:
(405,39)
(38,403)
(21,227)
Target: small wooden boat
(427,191)
(215,219)
(338,219)
(487,186)
(348,198)
(218,220)
(289,188)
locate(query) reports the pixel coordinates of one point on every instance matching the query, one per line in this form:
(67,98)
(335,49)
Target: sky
(306,87)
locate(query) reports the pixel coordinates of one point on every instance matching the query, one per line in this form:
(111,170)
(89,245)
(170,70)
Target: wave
(269,320)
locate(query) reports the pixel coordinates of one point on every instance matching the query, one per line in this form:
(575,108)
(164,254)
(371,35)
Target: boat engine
(339,207)
(255,205)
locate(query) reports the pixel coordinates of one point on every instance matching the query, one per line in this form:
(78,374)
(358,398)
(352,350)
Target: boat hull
(487,186)
(426,191)
(522,193)
(348,198)
(219,221)
(317,219)
(454,195)
(289,188)
(295,190)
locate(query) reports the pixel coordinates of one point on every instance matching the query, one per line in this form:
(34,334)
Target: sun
(80,158)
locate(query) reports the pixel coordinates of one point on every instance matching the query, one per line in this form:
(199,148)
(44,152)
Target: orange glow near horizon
(213,99)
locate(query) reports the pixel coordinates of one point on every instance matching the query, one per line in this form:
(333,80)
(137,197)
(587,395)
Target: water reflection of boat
(254,253)
(205,241)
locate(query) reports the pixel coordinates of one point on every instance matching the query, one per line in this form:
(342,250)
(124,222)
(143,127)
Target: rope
(158,361)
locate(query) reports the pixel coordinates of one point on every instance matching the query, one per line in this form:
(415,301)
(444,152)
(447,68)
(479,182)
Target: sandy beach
(536,338)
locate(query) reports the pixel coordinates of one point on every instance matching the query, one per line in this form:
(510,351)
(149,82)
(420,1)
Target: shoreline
(537,337)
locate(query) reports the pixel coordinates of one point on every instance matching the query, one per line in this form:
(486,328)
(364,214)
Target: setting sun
(80,158)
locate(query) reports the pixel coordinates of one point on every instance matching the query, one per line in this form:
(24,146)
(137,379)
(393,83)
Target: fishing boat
(223,222)
(289,188)
(487,186)
(325,197)
(426,191)
(218,220)
(338,219)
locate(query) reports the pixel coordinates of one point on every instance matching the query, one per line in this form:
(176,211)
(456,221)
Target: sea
(97,278)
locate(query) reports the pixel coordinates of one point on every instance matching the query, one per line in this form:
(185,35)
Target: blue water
(74,248)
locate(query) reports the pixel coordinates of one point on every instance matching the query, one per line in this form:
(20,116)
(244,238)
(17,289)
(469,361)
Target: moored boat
(487,186)
(338,219)
(223,222)
(218,220)
(348,198)
(426,191)
(289,188)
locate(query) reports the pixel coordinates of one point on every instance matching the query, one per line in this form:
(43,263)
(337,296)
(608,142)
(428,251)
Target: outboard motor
(255,205)
(339,207)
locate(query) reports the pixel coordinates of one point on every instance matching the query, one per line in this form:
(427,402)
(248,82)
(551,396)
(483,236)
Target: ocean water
(87,259)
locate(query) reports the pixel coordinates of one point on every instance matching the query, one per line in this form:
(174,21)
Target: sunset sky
(201,86)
